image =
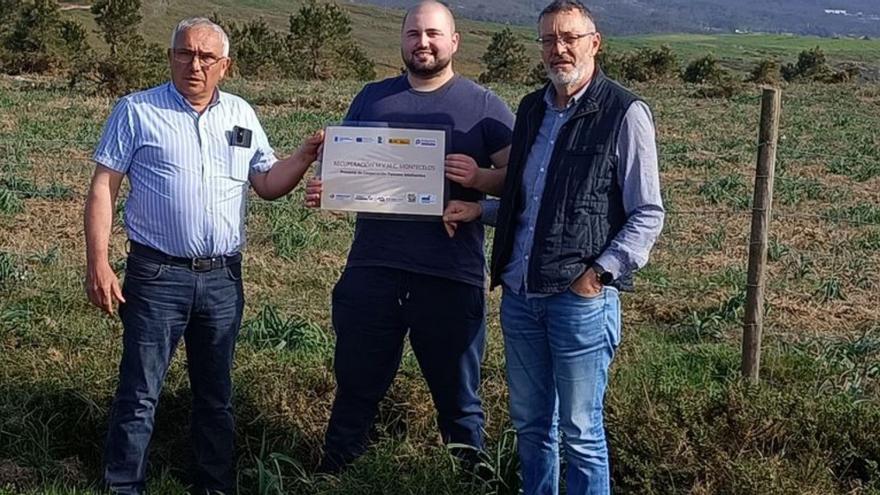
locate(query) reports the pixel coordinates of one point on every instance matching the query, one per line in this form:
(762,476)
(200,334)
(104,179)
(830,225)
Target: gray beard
(565,78)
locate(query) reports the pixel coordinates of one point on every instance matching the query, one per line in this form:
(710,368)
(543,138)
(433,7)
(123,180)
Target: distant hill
(824,18)
(376,29)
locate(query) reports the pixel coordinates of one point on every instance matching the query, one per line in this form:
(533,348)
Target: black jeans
(373,310)
(163,303)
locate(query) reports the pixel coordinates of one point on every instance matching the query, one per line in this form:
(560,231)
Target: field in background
(376,29)
(679,419)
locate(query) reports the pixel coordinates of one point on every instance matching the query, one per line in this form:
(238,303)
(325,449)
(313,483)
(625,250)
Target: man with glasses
(579,213)
(408,278)
(189,151)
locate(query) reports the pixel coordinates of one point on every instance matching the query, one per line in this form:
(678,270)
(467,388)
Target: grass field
(679,419)
(374,27)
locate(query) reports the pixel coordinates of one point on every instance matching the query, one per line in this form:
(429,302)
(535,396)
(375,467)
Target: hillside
(375,26)
(806,17)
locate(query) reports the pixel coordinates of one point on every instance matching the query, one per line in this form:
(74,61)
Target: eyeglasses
(206,60)
(567,40)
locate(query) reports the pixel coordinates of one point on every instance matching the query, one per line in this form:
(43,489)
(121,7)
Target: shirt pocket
(238,163)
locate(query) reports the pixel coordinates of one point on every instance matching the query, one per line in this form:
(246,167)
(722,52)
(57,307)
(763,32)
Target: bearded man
(409,277)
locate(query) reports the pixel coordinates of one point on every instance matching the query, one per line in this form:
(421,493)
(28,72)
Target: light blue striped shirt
(189,185)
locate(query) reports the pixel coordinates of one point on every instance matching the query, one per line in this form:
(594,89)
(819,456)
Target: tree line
(36,39)
(506,61)
(318,45)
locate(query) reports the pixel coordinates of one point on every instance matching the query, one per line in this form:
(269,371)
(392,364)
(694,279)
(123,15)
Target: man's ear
(226,68)
(455,39)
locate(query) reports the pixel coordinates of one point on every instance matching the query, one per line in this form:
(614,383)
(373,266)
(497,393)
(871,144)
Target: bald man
(409,277)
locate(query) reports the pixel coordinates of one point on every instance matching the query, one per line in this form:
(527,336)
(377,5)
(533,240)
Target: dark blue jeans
(163,303)
(373,310)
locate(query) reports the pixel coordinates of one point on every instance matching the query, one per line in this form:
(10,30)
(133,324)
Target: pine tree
(505,59)
(321,46)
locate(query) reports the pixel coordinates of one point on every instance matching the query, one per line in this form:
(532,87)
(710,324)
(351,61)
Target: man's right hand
(460,212)
(313,192)
(102,286)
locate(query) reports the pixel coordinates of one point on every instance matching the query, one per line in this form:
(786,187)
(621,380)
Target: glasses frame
(568,41)
(175,52)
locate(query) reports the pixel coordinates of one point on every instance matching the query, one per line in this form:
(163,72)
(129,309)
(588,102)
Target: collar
(550,96)
(215,100)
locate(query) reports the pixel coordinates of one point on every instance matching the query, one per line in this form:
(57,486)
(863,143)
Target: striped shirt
(188,183)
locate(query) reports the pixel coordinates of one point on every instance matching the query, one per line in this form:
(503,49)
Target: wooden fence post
(753,324)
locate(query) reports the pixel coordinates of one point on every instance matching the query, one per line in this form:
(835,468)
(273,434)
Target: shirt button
(527,256)
(531,229)
(542,170)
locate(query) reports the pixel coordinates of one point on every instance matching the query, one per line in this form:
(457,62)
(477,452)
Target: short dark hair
(567,6)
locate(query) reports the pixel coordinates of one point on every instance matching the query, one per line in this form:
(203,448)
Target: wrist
(603,276)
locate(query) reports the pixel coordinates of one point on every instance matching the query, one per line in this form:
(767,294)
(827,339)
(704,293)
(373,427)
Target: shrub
(538,75)
(505,59)
(704,70)
(812,65)
(766,72)
(257,50)
(134,67)
(652,64)
(642,65)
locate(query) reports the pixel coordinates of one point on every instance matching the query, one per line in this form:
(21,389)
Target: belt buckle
(202,264)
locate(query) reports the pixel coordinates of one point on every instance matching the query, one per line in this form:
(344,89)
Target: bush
(505,59)
(257,50)
(704,70)
(642,65)
(133,68)
(766,72)
(812,65)
(538,75)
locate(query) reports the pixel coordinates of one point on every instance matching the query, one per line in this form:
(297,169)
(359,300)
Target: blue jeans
(163,303)
(558,350)
(374,308)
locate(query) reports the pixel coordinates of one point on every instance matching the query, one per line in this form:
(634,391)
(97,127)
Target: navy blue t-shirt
(480,124)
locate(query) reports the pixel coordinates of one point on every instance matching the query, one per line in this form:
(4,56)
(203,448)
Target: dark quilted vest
(582,207)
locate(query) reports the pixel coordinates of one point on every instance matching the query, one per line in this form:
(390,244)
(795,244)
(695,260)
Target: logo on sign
(426,142)
(402,141)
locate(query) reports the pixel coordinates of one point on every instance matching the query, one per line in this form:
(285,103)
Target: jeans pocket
(234,272)
(143,269)
(594,297)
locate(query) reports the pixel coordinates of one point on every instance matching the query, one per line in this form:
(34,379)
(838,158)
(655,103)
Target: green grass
(679,419)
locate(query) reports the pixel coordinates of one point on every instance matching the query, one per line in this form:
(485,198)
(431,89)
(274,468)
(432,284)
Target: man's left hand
(588,285)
